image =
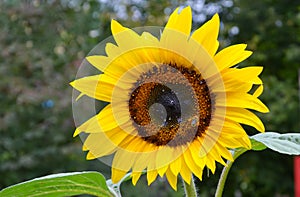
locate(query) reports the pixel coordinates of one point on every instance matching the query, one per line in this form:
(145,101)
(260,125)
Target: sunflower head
(174,103)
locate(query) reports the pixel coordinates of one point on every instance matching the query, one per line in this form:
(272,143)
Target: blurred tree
(40,53)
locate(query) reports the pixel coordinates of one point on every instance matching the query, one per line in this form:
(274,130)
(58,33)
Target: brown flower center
(170,105)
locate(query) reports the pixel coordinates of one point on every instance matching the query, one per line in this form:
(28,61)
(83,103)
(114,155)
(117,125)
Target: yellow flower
(175,104)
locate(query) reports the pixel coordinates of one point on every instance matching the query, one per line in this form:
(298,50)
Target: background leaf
(64,184)
(288,143)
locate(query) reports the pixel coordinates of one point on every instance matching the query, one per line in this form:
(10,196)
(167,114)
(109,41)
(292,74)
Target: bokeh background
(42,44)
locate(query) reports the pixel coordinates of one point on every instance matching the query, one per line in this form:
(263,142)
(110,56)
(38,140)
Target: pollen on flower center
(170,105)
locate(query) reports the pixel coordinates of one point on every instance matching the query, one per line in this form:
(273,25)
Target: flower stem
(190,189)
(225,172)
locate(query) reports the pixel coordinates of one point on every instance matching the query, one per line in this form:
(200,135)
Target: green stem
(190,189)
(225,172)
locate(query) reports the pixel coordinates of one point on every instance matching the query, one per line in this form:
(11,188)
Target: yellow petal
(181,22)
(136,145)
(99,87)
(142,161)
(92,124)
(131,154)
(244,116)
(248,74)
(126,157)
(233,87)
(185,171)
(149,37)
(199,57)
(115,66)
(151,176)
(84,148)
(258,91)
(127,141)
(231,56)
(123,160)
(161,171)
(231,142)
(164,157)
(135,177)
(175,36)
(124,37)
(244,101)
(99,62)
(216,156)
(172,179)
(117,175)
(189,160)
(207,35)
(230,85)
(102,144)
(76,132)
(90,156)
(108,121)
(112,51)
(232,128)
(245,141)
(203,149)
(175,166)
(210,163)
(195,150)
(224,152)
(208,140)
(146,156)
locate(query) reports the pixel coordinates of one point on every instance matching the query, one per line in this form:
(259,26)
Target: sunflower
(174,104)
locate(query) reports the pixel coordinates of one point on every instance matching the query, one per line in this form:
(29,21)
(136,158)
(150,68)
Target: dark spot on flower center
(170,105)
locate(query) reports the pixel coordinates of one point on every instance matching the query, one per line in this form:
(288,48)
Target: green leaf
(64,184)
(288,143)
(257,146)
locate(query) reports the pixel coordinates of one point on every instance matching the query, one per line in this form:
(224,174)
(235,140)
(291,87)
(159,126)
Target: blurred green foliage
(43,43)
